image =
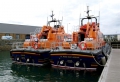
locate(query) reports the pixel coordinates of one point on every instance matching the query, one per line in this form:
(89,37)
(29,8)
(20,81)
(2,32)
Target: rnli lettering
(75,57)
(69,61)
(64,56)
(68,57)
(22,57)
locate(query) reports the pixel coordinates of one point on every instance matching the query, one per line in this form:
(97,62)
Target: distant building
(112,37)
(16,31)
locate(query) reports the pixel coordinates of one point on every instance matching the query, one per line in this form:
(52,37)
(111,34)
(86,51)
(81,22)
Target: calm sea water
(21,73)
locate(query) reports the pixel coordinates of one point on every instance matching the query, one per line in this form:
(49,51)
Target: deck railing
(116,46)
(114,43)
(7,44)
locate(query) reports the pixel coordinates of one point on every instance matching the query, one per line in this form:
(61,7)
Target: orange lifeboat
(86,50)
(48,36)
(36,49)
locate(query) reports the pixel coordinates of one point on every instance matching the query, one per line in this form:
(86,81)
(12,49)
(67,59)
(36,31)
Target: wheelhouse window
(65,37)
(27,36)
(100,35)
(58,37)
(17,36)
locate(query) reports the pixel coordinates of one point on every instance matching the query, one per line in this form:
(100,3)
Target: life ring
(82,45)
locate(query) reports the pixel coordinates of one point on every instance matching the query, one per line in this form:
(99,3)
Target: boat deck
(111,72)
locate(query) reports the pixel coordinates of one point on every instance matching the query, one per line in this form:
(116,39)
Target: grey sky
(35,12)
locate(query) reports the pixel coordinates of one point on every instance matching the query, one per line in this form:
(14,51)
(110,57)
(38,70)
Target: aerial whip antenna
(47,19)
(99,19)
(62,20)
(52,15)
(79,19)
(87,11)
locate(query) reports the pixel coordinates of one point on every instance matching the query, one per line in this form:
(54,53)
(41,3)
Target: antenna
(61,20)
(52,15)
(99,13)
(99,19)
(47,19)
(79,19)
(88,11)
(88,16)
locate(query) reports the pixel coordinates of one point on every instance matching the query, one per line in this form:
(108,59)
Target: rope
(97,61)
(84,65)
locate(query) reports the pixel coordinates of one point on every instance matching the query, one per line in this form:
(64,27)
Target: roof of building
(18,29)
(111,34)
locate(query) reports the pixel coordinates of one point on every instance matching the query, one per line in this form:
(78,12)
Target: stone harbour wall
(7,44)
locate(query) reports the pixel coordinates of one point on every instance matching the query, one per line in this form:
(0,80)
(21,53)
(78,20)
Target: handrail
(115,46)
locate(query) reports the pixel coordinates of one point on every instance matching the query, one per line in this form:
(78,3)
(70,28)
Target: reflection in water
(21,73)
(53,75)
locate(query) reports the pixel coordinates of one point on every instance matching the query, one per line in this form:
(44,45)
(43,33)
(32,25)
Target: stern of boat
(29,56)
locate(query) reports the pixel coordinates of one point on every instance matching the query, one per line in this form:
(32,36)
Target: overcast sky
(35,12)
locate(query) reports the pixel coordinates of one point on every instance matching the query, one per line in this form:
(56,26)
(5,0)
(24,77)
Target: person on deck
(36,42)
(36,39)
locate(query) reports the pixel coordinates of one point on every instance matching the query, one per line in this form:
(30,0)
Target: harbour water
(21,73)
